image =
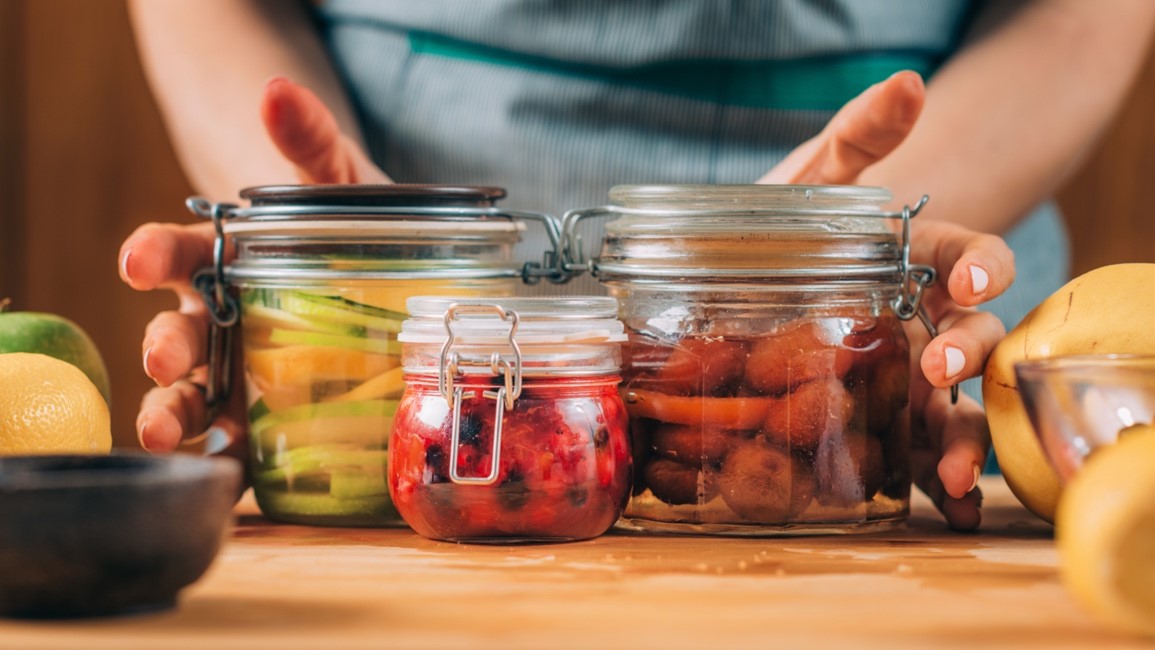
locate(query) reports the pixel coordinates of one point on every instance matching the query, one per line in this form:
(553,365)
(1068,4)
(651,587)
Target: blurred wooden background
(84,159)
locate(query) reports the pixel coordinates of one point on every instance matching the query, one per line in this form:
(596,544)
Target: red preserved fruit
(881,363)
(693,444)
(734,412)
(763,483)
(678,483)
(816,413)
(801,418)
(849,468)
(796,355)
(703,366)
(563,467)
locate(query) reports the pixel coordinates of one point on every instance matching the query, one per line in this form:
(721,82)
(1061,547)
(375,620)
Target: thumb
(304,130)
(863,132)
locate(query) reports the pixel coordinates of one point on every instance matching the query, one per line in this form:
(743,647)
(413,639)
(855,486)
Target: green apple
(28,331)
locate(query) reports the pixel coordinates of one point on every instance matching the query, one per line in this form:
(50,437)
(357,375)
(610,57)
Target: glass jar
(323,273)
(766,373)
(511,427)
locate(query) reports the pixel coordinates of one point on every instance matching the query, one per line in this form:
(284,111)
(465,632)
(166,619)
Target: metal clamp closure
(573,260)
(224,312)
(506,396)
(915,279)
(551,267)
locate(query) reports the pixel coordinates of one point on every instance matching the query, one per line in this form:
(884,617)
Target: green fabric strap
(817,83)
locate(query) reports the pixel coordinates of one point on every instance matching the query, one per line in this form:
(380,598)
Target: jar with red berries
(511,427)
(767,368)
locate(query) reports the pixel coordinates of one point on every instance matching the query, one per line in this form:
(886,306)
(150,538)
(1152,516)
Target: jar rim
(837,235)
(541,320)
(772,198)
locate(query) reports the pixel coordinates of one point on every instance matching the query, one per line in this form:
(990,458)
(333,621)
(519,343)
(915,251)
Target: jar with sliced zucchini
(320,279)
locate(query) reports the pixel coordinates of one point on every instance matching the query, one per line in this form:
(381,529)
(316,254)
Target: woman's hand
(165,256)
(950,440)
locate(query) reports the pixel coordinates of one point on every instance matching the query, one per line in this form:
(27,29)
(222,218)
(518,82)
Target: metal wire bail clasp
(505,396)
(915,280)
(224,312)
(574,260)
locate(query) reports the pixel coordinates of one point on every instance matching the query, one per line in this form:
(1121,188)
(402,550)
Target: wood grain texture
(12,184)
(95,164)
(1109,213)
(289,587)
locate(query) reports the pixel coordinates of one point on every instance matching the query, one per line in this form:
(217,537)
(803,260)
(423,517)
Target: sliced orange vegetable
(308,364)
(728,412)
(386,385)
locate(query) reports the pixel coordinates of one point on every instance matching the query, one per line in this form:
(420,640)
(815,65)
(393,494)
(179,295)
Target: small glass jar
(511,427)
(767,369)
(323,273)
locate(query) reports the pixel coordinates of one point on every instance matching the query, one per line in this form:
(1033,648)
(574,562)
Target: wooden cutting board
(281,587)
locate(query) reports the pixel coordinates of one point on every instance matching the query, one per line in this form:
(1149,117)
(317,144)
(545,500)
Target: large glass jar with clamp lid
(766,373)
(511,428)
(321,275)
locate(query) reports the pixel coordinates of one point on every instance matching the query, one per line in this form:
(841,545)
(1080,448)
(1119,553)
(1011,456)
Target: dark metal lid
(380,195)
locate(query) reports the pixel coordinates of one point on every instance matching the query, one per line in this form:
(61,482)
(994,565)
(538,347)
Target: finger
(306,133)
(864,131)
(977,266)
(964,438)
(159,255)
(964,514)
(174,344)
(960,351)
(169,415)
(965,441)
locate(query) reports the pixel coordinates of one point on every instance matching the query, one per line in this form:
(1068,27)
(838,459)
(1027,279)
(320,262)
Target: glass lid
(724,233)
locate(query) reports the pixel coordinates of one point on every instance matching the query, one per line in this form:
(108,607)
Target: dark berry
(601,437)
(512,492)
(436,464)
(577,496)
(470,433)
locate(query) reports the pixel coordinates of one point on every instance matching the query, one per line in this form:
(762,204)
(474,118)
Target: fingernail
(142,434)
(124,266)
(277,80)
(955,361)
(979,279)
(216,441)
(978,472)
(147,372)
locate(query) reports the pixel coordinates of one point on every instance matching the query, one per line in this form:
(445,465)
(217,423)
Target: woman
(558,101)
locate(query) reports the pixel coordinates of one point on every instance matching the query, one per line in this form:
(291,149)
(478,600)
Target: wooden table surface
(921,586)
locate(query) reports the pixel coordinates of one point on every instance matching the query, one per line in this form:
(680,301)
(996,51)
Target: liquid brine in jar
(767,370)
(322,275)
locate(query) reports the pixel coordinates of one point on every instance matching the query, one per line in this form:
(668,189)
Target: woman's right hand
(165,256)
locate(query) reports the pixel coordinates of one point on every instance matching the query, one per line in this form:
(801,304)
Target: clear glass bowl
(1079,403)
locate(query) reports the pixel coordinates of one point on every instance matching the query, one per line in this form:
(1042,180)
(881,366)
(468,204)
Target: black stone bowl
(88,536)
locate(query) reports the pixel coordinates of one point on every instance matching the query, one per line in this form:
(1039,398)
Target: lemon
(1105,532)
(50,406)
